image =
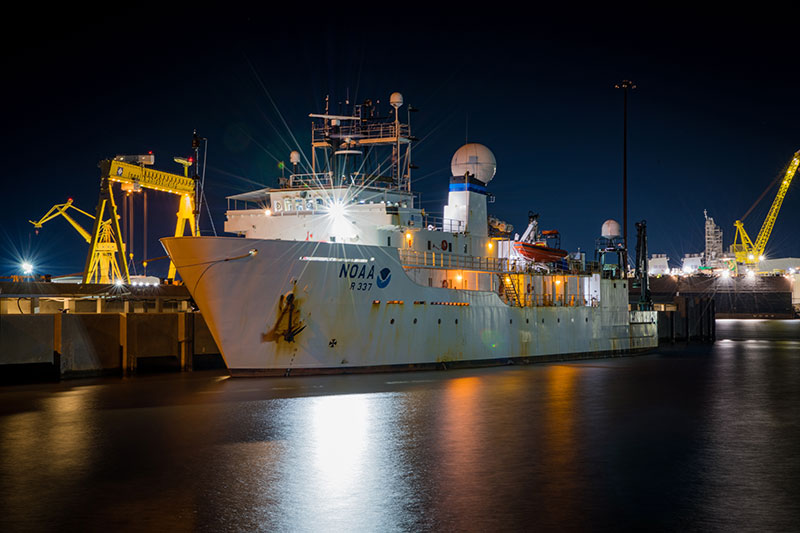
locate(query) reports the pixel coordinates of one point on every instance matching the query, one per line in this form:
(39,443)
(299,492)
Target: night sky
(714,119)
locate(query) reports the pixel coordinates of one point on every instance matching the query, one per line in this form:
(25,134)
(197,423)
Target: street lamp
(625,85)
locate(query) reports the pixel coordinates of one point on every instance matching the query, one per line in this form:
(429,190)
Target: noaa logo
(361,277)
(384,277)
(119,171)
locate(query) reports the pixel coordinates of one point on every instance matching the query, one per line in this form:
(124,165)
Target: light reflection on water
(690,437)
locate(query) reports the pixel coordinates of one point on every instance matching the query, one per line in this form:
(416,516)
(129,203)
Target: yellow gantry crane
(131,173)
(104,262)
(746,250)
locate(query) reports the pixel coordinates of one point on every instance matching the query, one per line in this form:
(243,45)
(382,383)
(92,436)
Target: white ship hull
(353,308)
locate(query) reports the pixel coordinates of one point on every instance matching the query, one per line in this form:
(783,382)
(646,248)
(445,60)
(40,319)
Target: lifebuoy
(444,245)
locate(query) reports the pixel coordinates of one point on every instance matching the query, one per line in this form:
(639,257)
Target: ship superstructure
(338,268)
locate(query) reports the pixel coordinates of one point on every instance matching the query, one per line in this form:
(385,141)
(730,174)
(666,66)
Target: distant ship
(338,269)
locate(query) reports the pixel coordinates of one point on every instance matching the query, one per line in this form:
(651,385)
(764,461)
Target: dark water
(704,437)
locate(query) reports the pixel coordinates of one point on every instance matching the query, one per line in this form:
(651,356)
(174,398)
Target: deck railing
(358,130)
(494,265)
(448,260)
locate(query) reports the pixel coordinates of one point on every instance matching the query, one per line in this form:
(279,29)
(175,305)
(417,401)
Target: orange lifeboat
(539,252)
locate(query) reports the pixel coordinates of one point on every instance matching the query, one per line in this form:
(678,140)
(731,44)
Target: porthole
(527,321)
(558,320)
(391,321)
(440,321)
(415,321)
(511,321)
(587,319)
(615,285)
(456,321)
(543,321)
(624,285)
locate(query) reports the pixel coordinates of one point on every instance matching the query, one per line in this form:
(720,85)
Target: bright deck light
(27,268)
(336,209)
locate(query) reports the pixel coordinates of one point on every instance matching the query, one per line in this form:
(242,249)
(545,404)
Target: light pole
(625,85)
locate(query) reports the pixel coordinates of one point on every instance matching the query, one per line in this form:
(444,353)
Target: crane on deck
(104,263)
(747,251)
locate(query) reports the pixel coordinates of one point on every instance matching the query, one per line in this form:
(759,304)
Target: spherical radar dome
(396,100)
(611,229)
(476,159)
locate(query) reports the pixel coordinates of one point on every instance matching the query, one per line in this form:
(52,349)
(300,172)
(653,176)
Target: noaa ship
(338,269)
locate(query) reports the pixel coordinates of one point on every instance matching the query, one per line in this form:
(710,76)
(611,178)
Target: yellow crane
(746,250)
(130,172)
(104,263)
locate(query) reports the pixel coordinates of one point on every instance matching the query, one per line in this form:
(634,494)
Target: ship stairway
(509,290)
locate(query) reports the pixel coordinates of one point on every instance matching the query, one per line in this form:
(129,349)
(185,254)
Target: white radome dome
(476,159)
(611,229)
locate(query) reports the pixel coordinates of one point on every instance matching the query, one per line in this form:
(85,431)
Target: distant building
(692,263)
(659,264)
(785,265)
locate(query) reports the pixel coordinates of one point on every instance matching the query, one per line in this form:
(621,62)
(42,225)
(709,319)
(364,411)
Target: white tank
(294,157)
(396,100)
(476,159)
(611,229)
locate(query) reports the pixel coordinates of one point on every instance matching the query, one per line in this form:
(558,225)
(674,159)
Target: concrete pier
(690,318)
(78,345)
(82,331)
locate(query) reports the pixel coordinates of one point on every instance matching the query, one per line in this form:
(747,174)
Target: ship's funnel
(473,166)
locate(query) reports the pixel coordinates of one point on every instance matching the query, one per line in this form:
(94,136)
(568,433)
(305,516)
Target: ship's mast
(356,143)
